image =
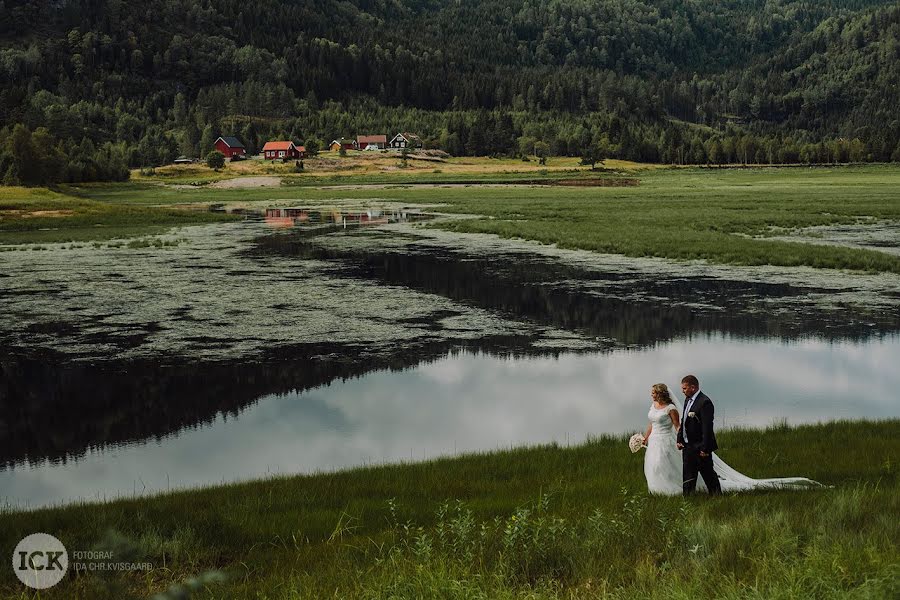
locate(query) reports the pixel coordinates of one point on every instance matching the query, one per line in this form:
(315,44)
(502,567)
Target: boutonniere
(692,415)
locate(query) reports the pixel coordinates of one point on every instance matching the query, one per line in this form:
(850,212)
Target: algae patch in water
(206,298)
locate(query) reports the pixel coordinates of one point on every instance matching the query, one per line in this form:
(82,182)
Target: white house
(405,140)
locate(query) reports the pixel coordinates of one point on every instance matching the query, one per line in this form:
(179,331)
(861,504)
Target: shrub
(215,160)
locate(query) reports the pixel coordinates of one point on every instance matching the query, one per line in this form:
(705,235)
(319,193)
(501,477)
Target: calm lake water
(457,402)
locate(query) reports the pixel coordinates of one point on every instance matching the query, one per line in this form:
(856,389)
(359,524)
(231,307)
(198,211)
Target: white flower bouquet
(636,442)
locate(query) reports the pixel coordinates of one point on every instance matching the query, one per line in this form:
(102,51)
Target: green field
(720,215)
(534,522)
(723,216)
(34,215)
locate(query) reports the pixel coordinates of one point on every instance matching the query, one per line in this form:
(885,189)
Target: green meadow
(36,215)
(723,216)
(720,215)
(538,522)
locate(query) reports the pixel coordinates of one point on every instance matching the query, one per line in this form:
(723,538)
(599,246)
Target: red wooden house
(282,150)
(230,146)
(371,142)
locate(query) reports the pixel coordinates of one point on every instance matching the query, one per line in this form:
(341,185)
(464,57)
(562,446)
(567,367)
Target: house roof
(277,146)
(371,139)
(231,141)
(406,135)
(342,141)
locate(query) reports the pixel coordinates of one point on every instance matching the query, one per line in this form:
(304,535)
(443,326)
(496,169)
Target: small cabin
(346,144)
(230,147)
(281,150)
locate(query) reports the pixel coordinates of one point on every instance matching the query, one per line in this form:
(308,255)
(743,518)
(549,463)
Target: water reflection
(57,410)
(303,217)
(628,308)
(473,401)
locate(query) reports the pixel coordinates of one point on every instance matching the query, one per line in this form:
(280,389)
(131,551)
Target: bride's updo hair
(661,391)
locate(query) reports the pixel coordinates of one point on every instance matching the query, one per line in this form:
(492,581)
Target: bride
(663,464)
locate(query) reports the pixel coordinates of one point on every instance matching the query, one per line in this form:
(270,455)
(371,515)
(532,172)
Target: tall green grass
(544,521)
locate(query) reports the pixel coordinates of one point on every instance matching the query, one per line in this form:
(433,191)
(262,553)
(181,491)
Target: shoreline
(603,439)
(621,438)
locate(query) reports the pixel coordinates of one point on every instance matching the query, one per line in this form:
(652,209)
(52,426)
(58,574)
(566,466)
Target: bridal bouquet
(636,442)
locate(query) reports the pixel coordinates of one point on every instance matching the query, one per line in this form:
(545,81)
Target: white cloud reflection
(476,402)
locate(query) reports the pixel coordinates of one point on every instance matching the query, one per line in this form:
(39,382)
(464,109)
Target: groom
(696,439)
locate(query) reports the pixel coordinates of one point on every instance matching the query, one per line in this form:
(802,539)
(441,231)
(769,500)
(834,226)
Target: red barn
(230,146)
(282,150)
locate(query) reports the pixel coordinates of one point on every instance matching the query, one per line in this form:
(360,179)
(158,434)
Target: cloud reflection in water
(470,402)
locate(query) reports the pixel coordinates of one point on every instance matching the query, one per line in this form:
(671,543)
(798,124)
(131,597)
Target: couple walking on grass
(681,447)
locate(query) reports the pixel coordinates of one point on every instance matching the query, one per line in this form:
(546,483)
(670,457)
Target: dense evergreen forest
(91,87)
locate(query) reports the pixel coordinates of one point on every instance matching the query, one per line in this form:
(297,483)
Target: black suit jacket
(699,428)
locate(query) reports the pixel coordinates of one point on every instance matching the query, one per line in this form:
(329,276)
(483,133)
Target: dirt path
(246,182)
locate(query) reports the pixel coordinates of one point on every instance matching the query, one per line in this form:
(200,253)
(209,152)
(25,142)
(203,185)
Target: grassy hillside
(536,522)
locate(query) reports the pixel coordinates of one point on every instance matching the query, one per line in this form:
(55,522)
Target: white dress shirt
(687,409)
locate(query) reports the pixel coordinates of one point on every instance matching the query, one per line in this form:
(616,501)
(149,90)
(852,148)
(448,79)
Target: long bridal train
(732,480)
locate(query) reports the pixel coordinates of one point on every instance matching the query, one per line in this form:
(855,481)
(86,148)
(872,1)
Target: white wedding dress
(663,465)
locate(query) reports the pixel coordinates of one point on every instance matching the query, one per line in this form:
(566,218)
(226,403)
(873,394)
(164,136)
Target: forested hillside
(669,81)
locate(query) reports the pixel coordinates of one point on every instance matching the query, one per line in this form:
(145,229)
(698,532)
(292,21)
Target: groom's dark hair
(691,380)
